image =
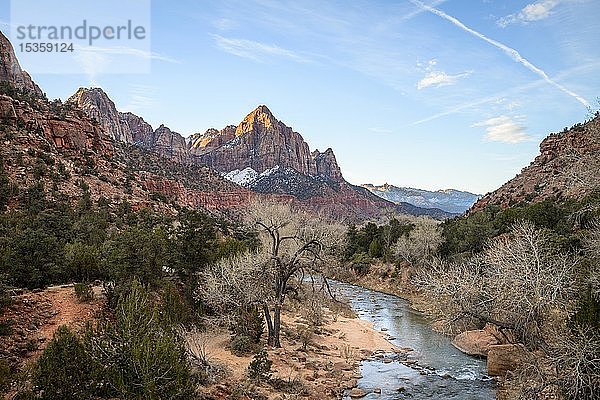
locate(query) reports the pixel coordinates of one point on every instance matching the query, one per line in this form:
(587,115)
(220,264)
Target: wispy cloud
(436,77)
(141,97)
(512,53)
(531,12)
(439,78)
(504,129)
(97,60)
(225,24)
(500,96)
(256,51)
(484,100)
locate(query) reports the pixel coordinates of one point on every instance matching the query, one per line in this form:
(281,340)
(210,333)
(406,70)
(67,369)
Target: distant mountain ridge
(449,200)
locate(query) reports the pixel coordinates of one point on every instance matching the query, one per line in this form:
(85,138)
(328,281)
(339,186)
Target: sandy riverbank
(328,366)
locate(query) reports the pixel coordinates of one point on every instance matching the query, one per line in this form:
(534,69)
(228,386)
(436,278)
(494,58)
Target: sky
(430,94)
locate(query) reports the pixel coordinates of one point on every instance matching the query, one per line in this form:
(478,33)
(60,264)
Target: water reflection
(436,370)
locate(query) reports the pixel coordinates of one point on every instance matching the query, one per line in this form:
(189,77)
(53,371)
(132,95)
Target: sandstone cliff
(326,165)
(169,144)
(141,131)
(265,155)
(62,148)
(99,107)
(10,70)
(121,156)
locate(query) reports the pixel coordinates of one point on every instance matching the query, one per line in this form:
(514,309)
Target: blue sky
(433,94)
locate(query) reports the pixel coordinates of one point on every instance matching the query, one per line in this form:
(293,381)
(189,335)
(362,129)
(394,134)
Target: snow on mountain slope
(245,177)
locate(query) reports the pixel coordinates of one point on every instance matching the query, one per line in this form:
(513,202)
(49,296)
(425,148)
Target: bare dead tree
(236,281)
(576,355)
(527,288)
(591,244)
(293,244)
(421,243)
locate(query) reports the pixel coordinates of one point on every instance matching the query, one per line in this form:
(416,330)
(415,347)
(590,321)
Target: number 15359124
(46,47)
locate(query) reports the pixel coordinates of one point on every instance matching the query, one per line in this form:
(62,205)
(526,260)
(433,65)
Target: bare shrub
(577,359)
(520,283)
(348,353)
(203,367)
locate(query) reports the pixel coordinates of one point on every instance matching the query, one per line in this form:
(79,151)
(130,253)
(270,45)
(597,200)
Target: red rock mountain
(121,156)
(128,127)
(266,156)
(568,166)
(261,142)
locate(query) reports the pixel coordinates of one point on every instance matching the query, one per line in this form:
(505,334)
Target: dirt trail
(34,317)
(69,310)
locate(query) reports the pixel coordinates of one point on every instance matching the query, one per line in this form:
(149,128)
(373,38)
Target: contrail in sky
(512,53)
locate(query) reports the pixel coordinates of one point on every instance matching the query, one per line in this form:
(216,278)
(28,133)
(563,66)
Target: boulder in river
(505,357)
(475,343)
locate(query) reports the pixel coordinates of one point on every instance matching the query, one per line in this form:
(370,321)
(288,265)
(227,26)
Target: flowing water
(434,369)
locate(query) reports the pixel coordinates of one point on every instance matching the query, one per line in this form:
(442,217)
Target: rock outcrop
(326,165)
(10,70)
(567,166)
(141,131)
(261,142)
(65,132)
(475,343)
(169,144)
(126,127)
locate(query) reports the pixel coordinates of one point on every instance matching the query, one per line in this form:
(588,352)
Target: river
(433,370)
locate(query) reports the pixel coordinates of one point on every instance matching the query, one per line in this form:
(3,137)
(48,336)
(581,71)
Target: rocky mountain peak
(211,138)
(10,70)
(326,165)
(261,142)
(85,94)
(93,100)
(97,105)
(127,127)
(261,120)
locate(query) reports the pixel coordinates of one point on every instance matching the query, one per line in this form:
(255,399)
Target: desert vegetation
(170,282)
(149,267)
